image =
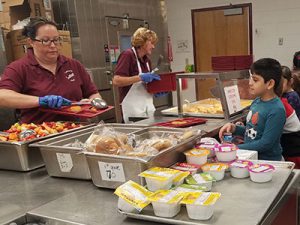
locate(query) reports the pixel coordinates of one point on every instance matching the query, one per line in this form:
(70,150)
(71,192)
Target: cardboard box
(19,44)
(21,9)
(66,47)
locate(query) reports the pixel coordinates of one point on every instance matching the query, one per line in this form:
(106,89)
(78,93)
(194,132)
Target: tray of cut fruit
(15,153)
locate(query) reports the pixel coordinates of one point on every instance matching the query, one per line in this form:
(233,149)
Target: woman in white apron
(133,68)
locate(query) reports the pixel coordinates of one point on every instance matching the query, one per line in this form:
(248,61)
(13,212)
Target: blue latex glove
(160,94)
(149,77)
(53,101)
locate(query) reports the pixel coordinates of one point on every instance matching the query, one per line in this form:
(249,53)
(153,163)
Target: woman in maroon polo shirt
(44,77)
(132,72)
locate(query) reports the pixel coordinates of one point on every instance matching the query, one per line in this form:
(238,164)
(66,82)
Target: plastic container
(226,152)
(197,156)
(261,173)
(191,188)
(208,146)
(216,170)
(201,179)
(200,206)
(166,83)
(179,178)
(159,178)
(239,168)
(166,203)
(126,207)
(186,167)
(132,197)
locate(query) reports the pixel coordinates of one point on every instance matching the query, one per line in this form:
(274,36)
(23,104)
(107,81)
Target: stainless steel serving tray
(241,200)
(110,171)
(174,111)
(19,156)
(62,160)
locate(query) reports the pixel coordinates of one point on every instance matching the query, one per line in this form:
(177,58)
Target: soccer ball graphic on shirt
(251,133)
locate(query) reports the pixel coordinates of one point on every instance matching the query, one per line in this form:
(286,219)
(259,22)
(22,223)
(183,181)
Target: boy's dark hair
(286,73)
(296,60)
(35,23)
(268,69)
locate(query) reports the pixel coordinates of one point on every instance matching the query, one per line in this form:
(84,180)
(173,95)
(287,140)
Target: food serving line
(35,196)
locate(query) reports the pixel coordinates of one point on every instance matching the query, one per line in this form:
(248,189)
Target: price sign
(111,171)
(65,162)
(233,98)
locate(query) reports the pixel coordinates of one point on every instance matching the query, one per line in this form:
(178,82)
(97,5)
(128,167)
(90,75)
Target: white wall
(271,19)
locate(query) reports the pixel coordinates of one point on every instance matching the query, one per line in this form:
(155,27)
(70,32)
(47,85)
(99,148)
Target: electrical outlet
(280,41)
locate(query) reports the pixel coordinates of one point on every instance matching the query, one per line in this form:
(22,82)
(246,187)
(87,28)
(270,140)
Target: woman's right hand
(149,77)
(53,101)
(229,127)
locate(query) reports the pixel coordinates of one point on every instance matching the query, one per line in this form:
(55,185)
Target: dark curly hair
(35,23)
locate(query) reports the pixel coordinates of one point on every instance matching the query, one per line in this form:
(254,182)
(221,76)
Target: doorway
(219,31)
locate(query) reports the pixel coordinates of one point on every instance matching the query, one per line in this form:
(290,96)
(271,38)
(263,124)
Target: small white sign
(233,98)
(182,46)
(65,162)
(1,7)
(112,171)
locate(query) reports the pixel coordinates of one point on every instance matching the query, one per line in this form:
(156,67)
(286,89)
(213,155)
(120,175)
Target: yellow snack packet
(166,196)
(133,193)
(201,198)
(159,173)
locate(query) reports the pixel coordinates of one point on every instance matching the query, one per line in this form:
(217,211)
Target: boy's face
(258,86)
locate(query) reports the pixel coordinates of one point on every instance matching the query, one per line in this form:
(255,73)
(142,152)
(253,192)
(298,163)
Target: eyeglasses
(47,42)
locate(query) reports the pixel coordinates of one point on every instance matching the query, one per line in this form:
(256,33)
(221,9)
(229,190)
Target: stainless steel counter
(21,192)
(65,201)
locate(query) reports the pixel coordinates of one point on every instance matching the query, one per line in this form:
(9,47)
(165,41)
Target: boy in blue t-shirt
(266,118)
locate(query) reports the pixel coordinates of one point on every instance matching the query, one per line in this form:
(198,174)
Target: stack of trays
(226,63)
(222,63)
(242,62)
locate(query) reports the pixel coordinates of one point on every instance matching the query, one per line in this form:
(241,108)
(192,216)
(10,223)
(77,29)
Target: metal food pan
(63,160)
(110,171)
(19,156)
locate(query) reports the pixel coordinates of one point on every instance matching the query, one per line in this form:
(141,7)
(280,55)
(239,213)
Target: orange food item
(12,136)
(178,122)
(75,108)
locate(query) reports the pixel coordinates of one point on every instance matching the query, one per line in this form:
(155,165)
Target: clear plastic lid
(197,152)
(214,167)
(261,168)
(241,163)
(201,198)
(133,193)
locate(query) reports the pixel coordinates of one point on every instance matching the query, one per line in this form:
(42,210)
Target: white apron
(138,102)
